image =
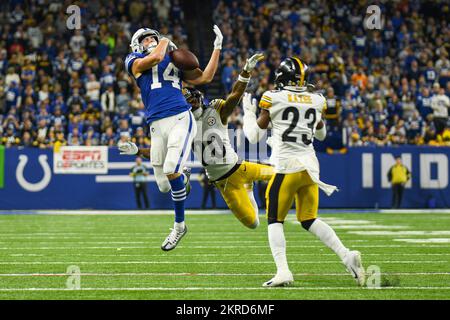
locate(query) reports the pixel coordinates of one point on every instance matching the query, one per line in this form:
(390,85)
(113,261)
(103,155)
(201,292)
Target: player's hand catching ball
(219,38)
(248,103)
(252,61)
(128,148)
(171,46)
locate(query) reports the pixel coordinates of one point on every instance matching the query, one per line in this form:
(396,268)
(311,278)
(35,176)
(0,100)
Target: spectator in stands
(404,66)
(108,100)
(440,103)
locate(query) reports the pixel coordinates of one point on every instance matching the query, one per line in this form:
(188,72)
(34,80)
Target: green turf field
(119,257)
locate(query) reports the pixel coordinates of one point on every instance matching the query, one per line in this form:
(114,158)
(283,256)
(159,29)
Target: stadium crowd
(384,87)
(68,87)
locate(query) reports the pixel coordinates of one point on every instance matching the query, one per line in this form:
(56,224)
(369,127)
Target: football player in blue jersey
(172,125)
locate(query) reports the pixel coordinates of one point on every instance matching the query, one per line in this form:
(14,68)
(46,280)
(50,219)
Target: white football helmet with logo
(140,35)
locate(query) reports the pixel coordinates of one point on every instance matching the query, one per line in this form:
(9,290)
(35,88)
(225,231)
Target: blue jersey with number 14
(160,88)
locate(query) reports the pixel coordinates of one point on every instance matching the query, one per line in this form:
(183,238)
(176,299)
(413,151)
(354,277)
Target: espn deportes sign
(81,160)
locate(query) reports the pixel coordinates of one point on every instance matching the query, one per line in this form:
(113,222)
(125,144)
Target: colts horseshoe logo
(38,186)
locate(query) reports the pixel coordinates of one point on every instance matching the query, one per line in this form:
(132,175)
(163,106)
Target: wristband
(242,79)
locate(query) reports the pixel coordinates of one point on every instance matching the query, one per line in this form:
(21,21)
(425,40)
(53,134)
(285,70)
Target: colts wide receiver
(233,178)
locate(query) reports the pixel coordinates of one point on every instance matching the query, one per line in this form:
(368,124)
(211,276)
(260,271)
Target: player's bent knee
(307,223)
(252,225)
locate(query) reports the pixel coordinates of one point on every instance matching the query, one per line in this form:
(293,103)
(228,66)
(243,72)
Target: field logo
(74,20)
(38,186)
(373,18)
(373,274)
(74,280)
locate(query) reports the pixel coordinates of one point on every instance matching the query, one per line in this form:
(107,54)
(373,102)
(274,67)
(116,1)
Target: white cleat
(173,239)
(283,279)
(353,263)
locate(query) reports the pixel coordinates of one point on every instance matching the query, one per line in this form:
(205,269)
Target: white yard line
(222,254)
(402,233)
(224,242)
(171,274)
(326,212)
(406,245)
(222,289)
(429,240)
(207,262)
(112,212)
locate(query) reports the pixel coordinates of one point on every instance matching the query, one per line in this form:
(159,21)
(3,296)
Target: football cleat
(353,263)
(173,239)
(187,183)
(282,279)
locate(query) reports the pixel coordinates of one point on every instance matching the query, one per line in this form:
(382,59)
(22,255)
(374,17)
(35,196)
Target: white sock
(327,235)
(255,206)
(278,246)
(179,226)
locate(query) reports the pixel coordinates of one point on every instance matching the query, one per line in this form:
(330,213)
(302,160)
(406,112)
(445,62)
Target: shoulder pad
(216,104)
(130,58)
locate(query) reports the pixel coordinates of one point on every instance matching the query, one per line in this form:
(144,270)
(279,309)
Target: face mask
(151,47)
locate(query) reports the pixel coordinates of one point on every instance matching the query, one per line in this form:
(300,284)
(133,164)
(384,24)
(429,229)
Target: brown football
(183,59)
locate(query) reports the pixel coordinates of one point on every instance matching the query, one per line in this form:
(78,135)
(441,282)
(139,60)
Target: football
(184,59)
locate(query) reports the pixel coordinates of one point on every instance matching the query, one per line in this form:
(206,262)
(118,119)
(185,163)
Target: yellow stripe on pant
(235,188)
(283,189)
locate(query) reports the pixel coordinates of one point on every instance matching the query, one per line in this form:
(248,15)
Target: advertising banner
(81,160)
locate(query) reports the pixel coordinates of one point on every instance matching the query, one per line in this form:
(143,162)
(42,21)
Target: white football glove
(171,46)
(219,38)
(128,148)
(252,61)
(248,103)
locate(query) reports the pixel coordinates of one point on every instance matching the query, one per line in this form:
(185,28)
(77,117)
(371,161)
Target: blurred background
(64,84)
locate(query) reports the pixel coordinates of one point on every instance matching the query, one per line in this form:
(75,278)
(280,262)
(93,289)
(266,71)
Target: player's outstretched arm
(198,76)
(239,87)
(254,129)
(157,55)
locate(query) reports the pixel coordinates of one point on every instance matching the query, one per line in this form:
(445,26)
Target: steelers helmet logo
(211,121)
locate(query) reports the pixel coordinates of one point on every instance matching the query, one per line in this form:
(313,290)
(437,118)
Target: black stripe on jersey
(274,193)
(229,173)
